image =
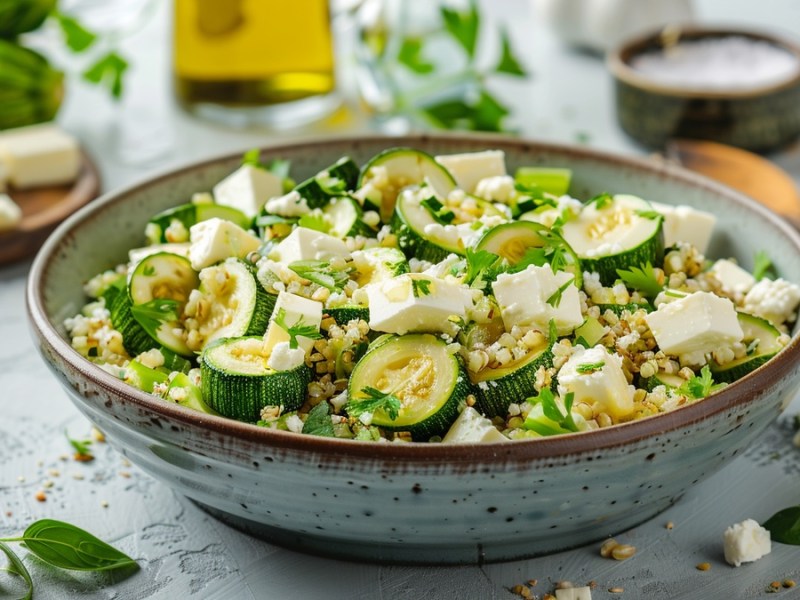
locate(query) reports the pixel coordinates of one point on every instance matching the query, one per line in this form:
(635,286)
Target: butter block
(39,155)
(10,213)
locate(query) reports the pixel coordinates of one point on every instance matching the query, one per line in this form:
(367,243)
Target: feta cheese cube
(416,303)
(576,593)
(745,542)
(471,427)
(216,239)
(10,213)
(285,358)
(288,205)
(595,376)
(247,189)
(297,310)
(531,297)
(38,155)
(470,167)
(775,300)
(498,188)
(686,224)
(734,279)
(695,325)
(308,244)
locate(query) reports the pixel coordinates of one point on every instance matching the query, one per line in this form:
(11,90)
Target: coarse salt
(719,64)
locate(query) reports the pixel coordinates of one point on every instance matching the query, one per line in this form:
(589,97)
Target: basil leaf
(463,26)
(76,36)
(784,526)
(410,55)
(108,70)
(17,567)
(69,547)
(508,62)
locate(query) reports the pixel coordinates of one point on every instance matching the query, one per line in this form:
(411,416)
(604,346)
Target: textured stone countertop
(183,552)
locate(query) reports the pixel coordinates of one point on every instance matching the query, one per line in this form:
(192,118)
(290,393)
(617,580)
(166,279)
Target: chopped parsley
(700,386)
(586,368)
(762,266)
(375,400)
(601,200)
(649,214)
(438,211)
(421,287)
(642,278)
(483,267)
(564,421)
(151,315)
(321,273)
(298,329)
(319,421)
(555,299)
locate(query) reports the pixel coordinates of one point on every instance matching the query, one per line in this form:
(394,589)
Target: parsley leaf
(642,278)
(552,411)
(76,36)
(438,211)
(319,421)
(463,26)
(151,315)
(483,267)
(108,70)
(298,329)
(700,386)
(485,113)
(590,367)
(376,400)
(555,299)
(410,55)
(321,273)
(762,265)
(508,62)
(552,332)
(421,287)
(81,446)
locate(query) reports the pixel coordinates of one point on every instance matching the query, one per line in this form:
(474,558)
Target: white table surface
(183,552)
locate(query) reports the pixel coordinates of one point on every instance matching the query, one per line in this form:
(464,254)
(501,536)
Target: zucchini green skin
(496,389)
(317,194)
(241,395)
(552,180)
(190,214)
(413,243)
(347,218)
(134,338)
(449,372)
(651,251)
(346,313)
(753,328)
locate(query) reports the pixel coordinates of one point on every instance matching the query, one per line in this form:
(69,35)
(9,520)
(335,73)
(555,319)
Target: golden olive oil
(252,53)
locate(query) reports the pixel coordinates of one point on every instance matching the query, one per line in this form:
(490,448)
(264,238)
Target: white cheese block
(39,155)
(686,224)
(216,239)
(296,309)
(285,358)
(695,325)
(416,303)
(472,428)
(247,189)
(774,300)
(745,542)
(734,279)
(308,244)
(10,213)
(595,376)
(470,167)
(523,299)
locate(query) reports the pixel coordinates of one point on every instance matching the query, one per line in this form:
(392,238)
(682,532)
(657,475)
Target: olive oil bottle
(257,57)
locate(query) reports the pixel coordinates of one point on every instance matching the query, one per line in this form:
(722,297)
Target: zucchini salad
(429,299)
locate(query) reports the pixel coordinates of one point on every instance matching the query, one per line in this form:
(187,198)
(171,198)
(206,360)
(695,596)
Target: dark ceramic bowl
(759,118)
(420,503)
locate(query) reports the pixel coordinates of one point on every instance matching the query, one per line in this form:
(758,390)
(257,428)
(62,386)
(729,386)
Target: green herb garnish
(648,214)
(321,273)
(315,220)
(151,315)
(762,266)
(564,420)
(421,287)
(319,422)
(700,386)
(375,400)
(555,299)
(298,329)
(784,526)
(590,367)
(601,200)
(642,278)
(81,446)
(483,267)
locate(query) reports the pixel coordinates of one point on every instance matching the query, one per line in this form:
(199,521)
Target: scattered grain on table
(703,566)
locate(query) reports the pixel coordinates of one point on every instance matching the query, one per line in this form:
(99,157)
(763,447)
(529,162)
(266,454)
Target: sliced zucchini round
(336,180)
(237,383)
(616,232)
(191,213)
(417,370)
(346,218)
(135,339)
(497,388)
(233,304)
(159,287)
(513,240)
(762,341)
(411,220)
(399,168)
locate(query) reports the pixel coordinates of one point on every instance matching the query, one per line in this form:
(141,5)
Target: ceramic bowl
(415,503)
(759,118)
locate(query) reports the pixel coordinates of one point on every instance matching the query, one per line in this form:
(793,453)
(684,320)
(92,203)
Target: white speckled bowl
(415,503)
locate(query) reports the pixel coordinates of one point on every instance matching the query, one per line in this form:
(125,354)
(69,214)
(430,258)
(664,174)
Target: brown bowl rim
(617,62)
(744,391)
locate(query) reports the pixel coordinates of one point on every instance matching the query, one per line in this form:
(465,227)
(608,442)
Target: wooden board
(43,208)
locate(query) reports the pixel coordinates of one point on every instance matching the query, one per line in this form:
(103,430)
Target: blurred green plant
(31,89)
(432,92)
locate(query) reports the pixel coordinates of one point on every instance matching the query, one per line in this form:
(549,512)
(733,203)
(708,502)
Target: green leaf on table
(76,36)
(463,26)
(410,55)
(108,71)
(80,446)
(509,64)
(69,547)
(319,421)
(784,526)
(17,567)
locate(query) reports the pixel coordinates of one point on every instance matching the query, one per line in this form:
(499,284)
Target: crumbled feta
(733,278)
(285,358)
(774,300)
(216,239)
(288,205)
(606,249)
(448,235)
(745,542)
(499,188)
(294,424)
